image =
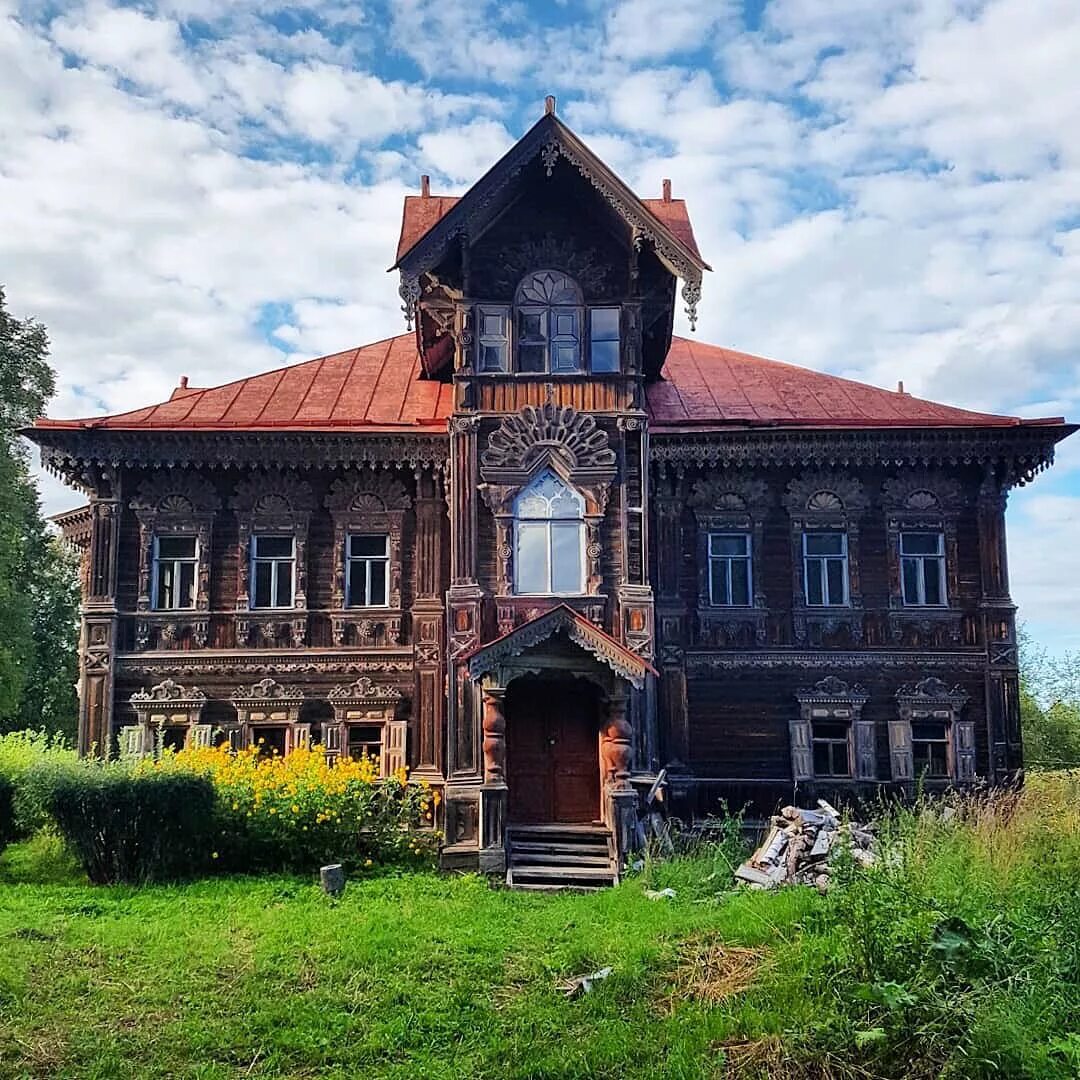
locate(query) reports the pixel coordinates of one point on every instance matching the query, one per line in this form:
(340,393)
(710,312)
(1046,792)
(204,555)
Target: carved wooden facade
(561,499)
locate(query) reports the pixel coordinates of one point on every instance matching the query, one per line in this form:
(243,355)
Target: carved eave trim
(549,139)
(703,663)
(832,692)
(605,649)
(932,693)
(68,453)
(170,693)
(1024,452)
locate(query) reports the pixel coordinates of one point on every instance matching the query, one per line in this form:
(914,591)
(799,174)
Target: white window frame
(369,560)
(156,563)
(746,558)
(275,561)
(547,524)
(823,561)
(920,560)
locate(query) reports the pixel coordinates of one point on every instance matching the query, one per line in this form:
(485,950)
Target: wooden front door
(552,745)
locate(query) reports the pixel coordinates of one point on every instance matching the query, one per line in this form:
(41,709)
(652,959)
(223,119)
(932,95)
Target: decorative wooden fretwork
(932,502)
(498,277)
(272,502)
(576,448)
(365,705)
(731,504)
(932,701)
(835,502)
(268,703)
(166,705)
(174,503)
(374,503)
(833,701)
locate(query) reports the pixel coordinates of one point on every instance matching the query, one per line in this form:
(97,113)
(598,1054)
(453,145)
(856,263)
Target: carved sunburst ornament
(576,436)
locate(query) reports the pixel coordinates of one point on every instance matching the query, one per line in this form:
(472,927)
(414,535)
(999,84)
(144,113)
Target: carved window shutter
(133,741)
(802,757)
(900,751)
(202,735)
(331,737)
(236,738)
(301,736)
(963,741)
(865,749)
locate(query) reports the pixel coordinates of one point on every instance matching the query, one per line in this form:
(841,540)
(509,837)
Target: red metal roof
(378,388)
(422,212)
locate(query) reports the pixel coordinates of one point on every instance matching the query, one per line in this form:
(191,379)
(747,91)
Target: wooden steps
(560,857)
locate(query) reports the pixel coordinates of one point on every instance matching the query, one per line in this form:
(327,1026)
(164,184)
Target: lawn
(421,975)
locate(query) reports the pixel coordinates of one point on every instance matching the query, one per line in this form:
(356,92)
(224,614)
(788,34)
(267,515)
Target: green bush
(30,761)
(7,812)
(127,826)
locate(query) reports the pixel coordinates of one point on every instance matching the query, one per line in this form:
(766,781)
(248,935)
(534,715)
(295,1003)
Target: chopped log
(332,879)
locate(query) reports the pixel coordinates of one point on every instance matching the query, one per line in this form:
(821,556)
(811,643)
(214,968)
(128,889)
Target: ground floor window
(270,741)
(831,756)
(365,741)
(930,748)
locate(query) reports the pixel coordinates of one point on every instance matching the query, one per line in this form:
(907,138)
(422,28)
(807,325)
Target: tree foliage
(1049,706)
(38,584)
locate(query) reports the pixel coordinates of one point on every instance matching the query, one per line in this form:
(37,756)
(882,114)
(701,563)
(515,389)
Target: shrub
(7,812)
(298,812)
(134,826)
(29,761)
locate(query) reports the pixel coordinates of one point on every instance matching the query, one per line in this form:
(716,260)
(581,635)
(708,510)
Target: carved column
(428,624)
(999,634)
(99,617)
(493,792)
(616,753)
(494,736)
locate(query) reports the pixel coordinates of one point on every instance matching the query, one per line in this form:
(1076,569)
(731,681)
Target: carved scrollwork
(364,690)
(932,689)
(826,493)
(921,492)
(833,688)
(273,494)
(174,493)
(267,690)
(575,437)
(367,493)
(168,690)
(723,493)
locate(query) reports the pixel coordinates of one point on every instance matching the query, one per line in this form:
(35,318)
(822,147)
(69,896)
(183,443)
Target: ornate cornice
(932,691)
(702,664)
(833,691)
(70,453)
(267,690)
(284,662)
(168,691)
(1024,452)
(559,431)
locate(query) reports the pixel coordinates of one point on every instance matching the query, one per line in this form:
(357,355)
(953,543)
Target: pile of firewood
(801,846)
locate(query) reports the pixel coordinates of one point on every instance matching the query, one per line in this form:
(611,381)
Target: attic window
(547,321)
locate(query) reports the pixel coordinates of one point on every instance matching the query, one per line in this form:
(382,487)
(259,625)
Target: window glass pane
(492,357)
(176,547)
(827,730)
(566,557)
(728,544)
(605,355)
(367,545)
(740,582)
(564,357)
(814,594)
(262,584)
(836,571)
(719,570)
(824,543)
(358,584)
(565,324)
(932,578)
(909,569)
(927,730)
(186,597)
(531,325)
(532,557)
(604,324)
(921,543)
(273,547)
(532,357)
(284,585)
(378,583)
(491,325)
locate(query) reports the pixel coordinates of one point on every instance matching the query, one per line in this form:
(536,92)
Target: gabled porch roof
(562,619)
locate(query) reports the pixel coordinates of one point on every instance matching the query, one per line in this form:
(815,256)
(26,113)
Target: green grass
(421,975)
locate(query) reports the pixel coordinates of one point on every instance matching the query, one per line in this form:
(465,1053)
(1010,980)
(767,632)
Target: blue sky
(886,191)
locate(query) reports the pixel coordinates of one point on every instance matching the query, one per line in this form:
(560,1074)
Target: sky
(886,190)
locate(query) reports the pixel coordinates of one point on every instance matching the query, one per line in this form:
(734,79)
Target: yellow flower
(214,855)
(295,808)
(367,862)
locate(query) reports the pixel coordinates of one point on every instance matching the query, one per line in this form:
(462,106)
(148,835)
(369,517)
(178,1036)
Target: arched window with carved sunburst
(549,537)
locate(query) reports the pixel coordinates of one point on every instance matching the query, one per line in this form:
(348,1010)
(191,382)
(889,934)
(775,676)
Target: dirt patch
(711,971)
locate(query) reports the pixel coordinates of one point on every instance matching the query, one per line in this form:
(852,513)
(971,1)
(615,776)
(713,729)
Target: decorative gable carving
(561,432)
(266,690)
(826,494)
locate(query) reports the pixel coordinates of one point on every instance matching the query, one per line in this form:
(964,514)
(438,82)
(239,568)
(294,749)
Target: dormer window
(547,315)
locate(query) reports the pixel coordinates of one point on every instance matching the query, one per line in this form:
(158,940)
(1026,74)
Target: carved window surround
(931,700)
(734,505)
(174,504)
(932,502)
(272,503)
(576,448)
(833,700)
(366,704)
(268,703)
(827,501)
(367,502)
(168,704)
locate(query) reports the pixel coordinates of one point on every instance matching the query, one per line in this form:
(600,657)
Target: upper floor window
(729,569)
(604,339)
(547,314)
(825,566)
(922,568)
(273,570)
(367,570)
(549,537)
(175,565)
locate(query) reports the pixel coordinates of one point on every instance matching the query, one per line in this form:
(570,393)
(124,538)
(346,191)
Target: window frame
(747,558)
(547,525)
(590,311)
(843,558)
(369,560)
(920,559)
(274,561)
(945,742)
(832,742)
(155,565)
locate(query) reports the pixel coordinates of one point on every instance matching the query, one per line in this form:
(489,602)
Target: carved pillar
(616,753)
(428,626)
(494,735)
(99,618)
(493,793)
(999,634)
